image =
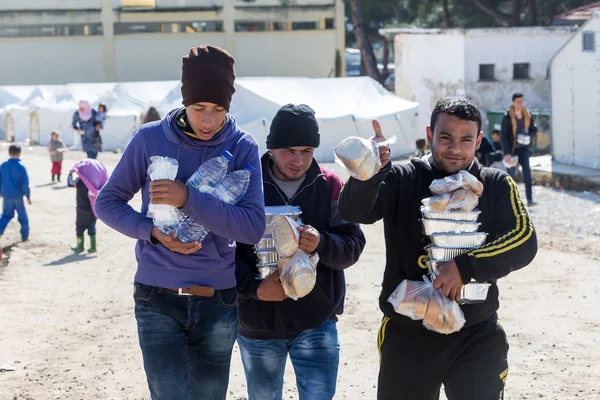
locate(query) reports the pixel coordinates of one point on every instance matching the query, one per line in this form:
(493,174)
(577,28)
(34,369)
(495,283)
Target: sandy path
(67,326)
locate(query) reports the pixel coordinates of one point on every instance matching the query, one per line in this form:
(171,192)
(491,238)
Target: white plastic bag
(462,179)
(360,156)
(411,298)
(164,216)
(298,274)
(443,315)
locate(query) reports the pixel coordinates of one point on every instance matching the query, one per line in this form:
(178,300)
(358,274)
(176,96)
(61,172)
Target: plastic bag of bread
(437,203)
(463,200)
(462,179)
(443,315)
(411,298)
(285,234)
(298,274)
(359,156)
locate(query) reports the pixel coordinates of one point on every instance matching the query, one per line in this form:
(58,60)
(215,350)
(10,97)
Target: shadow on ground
(69,259)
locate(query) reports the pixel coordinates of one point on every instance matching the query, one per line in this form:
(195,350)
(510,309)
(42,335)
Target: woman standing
(85,120)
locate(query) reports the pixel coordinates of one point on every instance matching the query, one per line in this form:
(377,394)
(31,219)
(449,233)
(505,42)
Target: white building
(575,80)
(486,65)
(144,40)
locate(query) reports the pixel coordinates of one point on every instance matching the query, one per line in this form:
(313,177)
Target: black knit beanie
(207,75)
(294,125)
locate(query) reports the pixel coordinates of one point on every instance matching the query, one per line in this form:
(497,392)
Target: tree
(367,56)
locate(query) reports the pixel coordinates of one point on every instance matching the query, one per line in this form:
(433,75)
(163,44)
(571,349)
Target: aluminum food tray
(453,215)
(474,292)
(431,226)
(267,257)
(267,243)
(444,253)
(458,240)
(265,270)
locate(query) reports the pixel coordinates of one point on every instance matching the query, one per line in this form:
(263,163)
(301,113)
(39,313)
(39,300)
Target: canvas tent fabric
(343,106)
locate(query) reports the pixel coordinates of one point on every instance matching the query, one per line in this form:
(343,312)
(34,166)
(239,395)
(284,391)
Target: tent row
(343,106)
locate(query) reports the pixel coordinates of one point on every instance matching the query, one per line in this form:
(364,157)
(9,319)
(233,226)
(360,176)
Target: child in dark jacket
(92,176)
(14,184)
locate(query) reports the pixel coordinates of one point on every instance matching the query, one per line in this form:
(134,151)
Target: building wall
(575,87)
(429,67)
(503,48)
(46,4)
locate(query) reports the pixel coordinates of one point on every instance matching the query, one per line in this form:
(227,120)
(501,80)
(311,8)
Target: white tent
(344,107)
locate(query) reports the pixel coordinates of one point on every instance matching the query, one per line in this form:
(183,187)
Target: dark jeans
(472,363)
(9,206)
(86,220)
(186,342)
(92,154)
(315,355)
(523,154)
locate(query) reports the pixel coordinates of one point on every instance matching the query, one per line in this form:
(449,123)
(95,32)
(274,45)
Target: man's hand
(448,278)
(29,201)
(172,243)
(384,149)
(507,158)
(172,193)
(270,289)
(309,239)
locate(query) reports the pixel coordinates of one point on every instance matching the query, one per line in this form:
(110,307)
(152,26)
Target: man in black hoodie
(272,326)
(472,363)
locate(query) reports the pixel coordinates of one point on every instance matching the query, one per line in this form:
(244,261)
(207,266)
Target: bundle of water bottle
(212,178)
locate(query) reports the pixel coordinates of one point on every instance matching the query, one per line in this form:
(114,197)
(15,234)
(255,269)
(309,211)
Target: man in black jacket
(518,129)
(271,326)
(472,363)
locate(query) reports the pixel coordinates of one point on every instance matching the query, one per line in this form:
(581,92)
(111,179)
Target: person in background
(518,129)
(85,121)
(421,148)
(56,147)
(92,176)
(185,293)
(271,326)
(151,115)
(101,114)
(14,185)
(496,139)
(486,147)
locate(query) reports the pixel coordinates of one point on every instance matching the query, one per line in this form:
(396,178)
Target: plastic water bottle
(210,173)
(231,190)
(234,186)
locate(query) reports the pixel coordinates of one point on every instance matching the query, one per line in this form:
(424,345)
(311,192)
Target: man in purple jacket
(185,296)
(272,326)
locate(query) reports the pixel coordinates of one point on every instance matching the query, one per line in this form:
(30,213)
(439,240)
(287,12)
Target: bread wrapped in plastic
(285,235)
(411,298)
(462,200)
(437,203)
(462,179)
(298,274)
(443,315)
(359,156)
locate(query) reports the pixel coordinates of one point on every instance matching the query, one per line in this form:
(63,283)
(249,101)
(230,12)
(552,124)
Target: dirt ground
(67,325)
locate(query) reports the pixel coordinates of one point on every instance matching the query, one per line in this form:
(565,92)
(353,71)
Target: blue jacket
(91,140)
(14,182)
(214,264)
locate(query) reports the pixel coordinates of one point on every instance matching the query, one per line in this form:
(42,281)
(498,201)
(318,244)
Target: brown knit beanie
(207,75)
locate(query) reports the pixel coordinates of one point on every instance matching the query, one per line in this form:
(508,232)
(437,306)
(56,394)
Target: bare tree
(533,12)
(362,40)
(513,19)
(446,21)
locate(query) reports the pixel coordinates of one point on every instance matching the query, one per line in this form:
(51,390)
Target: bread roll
(437,203)
(352,151)
(285,234)
(434,315)
(298,275)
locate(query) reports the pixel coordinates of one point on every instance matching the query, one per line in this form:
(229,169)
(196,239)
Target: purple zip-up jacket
(214,264)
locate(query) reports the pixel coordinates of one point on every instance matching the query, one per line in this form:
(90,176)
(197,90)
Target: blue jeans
(9,206)
(523,154)
(315,355)
(186,342)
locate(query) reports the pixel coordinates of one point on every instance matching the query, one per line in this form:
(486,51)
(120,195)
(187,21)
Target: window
(486,72)
(241,26)
(589,41)
(51,30)
(521,71)
(126,28)
(303,26)
(329,23)
(279,26)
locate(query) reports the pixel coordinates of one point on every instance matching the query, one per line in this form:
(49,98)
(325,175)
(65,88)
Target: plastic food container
(460,240)
(474,292)
(431,226)
(454,215)
(444,253)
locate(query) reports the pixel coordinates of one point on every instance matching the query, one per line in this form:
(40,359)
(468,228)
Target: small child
(14,184)
(56,147)
(92,176)
(421,148)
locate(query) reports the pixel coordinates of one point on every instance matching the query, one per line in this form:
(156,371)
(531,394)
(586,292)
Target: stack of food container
(450,221)
(265,249)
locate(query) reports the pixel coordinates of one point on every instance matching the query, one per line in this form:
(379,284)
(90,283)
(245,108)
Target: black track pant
(472,363)
(85,220)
